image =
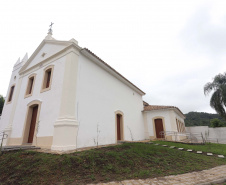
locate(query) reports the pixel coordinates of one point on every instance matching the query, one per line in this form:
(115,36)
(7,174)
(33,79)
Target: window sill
(27,95)
(44,90)
(9,102)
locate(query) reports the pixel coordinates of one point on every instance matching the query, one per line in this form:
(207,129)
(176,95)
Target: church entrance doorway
(31,122)
(158,128)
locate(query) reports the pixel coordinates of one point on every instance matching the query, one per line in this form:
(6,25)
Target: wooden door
(158,127)
(32,125)
(118,127)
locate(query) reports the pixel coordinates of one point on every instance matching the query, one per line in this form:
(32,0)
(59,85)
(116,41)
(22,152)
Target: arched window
(47,78)
(30,85)
(10,97)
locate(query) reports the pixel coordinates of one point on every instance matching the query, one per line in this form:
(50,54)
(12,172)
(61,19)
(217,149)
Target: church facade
(64,97)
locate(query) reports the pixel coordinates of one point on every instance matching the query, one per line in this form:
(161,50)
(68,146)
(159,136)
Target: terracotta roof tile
(145,103)
(160,107)
(112,69)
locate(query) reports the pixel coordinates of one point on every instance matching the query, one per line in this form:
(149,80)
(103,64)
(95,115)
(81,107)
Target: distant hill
(200,119)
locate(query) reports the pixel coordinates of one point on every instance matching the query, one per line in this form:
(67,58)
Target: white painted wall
(50,101)
(212,133)
(49,49)
(197,129)
(99,96)
(218,133)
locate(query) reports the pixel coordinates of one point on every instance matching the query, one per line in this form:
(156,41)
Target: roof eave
(171,108)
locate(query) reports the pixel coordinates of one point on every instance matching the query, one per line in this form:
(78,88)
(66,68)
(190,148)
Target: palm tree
(218,99)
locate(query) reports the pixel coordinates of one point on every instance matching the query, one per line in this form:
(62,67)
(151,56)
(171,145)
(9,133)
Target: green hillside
(201,119)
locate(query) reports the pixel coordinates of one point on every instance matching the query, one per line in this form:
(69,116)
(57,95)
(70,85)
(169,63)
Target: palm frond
(218,81)
(217,103)
(208,88)
(218,99)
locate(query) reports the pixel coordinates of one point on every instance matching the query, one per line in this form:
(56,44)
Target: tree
(202,119)
(216,123)
(2,100)
(218,99)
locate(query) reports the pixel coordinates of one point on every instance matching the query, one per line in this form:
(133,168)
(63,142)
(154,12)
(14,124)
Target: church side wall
(99,96)
(49,108)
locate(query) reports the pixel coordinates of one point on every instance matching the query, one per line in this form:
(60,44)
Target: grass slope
(132,160)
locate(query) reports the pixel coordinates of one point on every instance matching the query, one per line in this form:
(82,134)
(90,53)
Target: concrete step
(19,146)
(22,147)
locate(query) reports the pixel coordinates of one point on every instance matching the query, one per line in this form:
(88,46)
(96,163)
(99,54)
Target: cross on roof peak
(50,31)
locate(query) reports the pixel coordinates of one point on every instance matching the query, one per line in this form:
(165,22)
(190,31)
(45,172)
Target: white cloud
(168,48)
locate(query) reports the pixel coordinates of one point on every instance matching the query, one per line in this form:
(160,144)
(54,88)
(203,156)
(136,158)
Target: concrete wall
(212,133)
(197,129)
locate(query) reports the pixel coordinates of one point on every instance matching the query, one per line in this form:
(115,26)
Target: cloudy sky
(168,48)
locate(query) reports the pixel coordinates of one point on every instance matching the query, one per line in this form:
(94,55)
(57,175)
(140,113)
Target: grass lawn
(115,163)
(219,149)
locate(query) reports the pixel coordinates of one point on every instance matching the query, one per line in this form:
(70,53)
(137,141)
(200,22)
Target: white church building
(64,97)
